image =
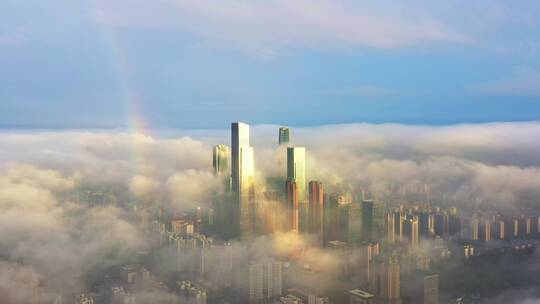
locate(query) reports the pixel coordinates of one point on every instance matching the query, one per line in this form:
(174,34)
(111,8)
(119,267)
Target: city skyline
(269,152)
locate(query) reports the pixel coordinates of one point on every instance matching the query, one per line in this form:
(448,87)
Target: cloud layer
(265,26)
(49,229)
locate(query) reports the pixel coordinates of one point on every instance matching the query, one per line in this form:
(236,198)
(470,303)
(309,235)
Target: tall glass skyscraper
(284,135)
(296,170)
(242,180)
(221,159)
(316,210)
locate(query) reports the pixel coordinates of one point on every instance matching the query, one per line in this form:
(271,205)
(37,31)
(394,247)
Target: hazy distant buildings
(391,227)
(316,210)
(284,135)
(372,220)
(411,231)
(421,288)
(220,160)
(265,281)
(431,289)
(190,293)
(388,282)
(242,180)
(292,207)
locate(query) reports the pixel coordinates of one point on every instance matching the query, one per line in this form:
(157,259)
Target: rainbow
(134,122)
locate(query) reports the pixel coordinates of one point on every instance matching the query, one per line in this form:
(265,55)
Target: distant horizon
(227,125)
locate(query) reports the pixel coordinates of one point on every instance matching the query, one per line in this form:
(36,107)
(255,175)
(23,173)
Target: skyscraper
(265,281)
(284,135)
(391,227)
(296,169)
(292,222)
(411,231)
(221,159)
(316,210)
(242,180)
(372,220)
(389,282)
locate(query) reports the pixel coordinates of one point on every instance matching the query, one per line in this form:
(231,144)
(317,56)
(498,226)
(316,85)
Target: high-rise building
(316,210)
(265,281)
(292,208)
(389,281)
(367,220)
(354,233)
(372,220)
(500,230)
(296,169)
(284,135)
(242,180)
(221,159)
(485,230)
(365,254)
(391,227)
(411,231)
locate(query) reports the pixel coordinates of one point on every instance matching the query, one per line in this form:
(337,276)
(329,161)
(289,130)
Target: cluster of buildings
(379,252)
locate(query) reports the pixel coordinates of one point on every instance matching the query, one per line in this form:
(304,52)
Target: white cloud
(263,27)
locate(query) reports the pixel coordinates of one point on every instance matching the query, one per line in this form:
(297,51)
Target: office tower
(485,230)
(398,225)
(354,232)
(515,225)
(391,227)
(292,208)
(522,223)
(431,224)
(221,159)
(528,226)
(454,223)
(242,180)
(366,253)
(265,281)
(284,135)
(442,223)
(415,233)
(357,296)
(316,210)
(474,229)
(367,220)
(499,230)
(411,231)
(330,227)
(389,283)
(296,170)
(343,217)
(423,222)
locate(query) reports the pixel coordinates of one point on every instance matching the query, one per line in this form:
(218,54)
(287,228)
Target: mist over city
(269,152)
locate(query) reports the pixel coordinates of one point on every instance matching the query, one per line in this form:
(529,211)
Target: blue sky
(204,63)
